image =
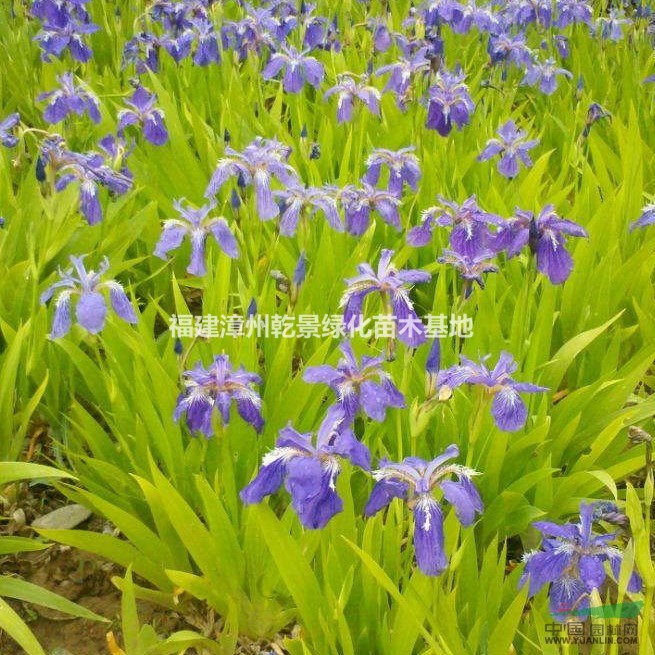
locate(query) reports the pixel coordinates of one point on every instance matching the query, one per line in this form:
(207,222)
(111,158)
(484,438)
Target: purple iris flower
(142,51)
(262,20)
(348,90)
(309,472)
(512,147)
(54,38)
(285,10)
(257,30)
(297,199)
(259,162)
(439,12)
(321,33)
(382,40)
(7,125)
(409,43)
(88,169)
(300,271)
(482,16)
(392,284)
(435,47)
(507,408)
(470,236)
(533,11)
(432,367)
(545,234)
(612,27)
(59,11)
(358,203)
(465,15)
(647,217)
(545,76)
(421,235)
(605,510)
(561,44)
(298,69)
(91,307)
(510,48)
(184,24)
(316,28)
(173,16)
(433,363)
(403,72)
(354,386)
(178,45)
(176,16)
(572,561)
(143,112)
(569,12)
(595,113)
(415,481)
(216,387)
(449,101)
(470,269)
(117,149)
(195,224)
(207,51)
(403,168)
(69,98)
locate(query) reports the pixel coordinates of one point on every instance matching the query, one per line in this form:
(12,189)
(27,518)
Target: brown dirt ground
(85,579)
(75,575)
